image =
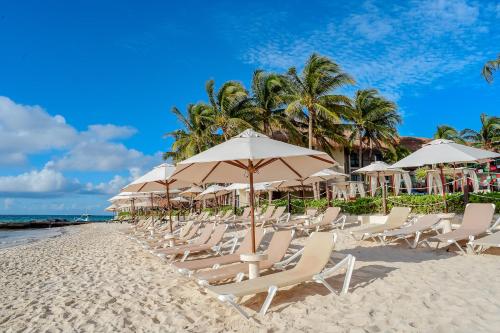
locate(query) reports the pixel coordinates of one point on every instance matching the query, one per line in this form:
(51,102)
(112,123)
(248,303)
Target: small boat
(83,218)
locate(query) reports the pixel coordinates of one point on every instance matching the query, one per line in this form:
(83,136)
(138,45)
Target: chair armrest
(494,226)
(282,264)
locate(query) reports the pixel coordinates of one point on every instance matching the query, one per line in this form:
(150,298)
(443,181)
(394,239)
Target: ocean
(14,237)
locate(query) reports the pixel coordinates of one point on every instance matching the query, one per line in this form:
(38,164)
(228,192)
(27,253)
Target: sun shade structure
(377,171)
(158,179)
(191,192)
(442,151)
(252,157)
(439,152)
(212,191)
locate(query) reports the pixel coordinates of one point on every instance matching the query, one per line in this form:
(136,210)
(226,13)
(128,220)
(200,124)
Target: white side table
(171,239)
(445,223)
(253,260)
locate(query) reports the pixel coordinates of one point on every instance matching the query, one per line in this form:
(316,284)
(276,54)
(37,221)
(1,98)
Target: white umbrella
(213,190)
(250,157)
(111,208)
(179,199)
(192,191)
(158,179)
(442,151)
(377,171)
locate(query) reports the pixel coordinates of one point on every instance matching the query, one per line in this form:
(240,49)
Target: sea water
(14,237)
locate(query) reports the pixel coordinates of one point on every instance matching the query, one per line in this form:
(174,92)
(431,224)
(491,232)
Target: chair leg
(231,300)
(415,241)
(270,295)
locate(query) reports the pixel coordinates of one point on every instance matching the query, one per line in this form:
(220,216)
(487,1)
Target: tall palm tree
(229,115)
(267,105)
(489,67)
(197,134)
(488,136)
(374,121)
(311,91)
(448,133)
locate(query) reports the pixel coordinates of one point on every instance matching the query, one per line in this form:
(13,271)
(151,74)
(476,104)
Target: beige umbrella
(158,179)
(192,192)
(439,152)
(252,157)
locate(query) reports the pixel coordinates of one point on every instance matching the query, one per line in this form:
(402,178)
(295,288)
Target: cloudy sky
(86,88)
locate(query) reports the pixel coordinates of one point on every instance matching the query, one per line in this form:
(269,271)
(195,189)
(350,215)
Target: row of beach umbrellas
(253,161)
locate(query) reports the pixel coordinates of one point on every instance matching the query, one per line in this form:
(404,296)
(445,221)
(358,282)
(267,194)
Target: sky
(86,87)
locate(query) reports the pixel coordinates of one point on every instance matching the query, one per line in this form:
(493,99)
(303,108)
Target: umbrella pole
(443,186)
(252,217)
(289,203)
(384,194)
(168,207)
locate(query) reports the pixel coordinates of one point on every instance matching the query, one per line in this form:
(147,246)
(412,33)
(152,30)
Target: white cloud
(30,129)
(112,187)
(391,46)
(37,182)
(108,132)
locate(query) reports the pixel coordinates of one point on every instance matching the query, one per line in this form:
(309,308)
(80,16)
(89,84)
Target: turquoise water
(29,218)
(14,237)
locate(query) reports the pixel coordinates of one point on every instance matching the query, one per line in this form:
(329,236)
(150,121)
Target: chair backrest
(257,211)
(268,213)
(246,213)
(478,216)
(246,243)
(397,217)
(278,245)
(205,234)
(317,252)
(311,212)
(330,215)
(217,235)
(185,229)
(279,211)
(192,231)
(425,222)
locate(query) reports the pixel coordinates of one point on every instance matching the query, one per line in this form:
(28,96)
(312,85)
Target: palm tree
(267,105)
(229,114)
(488,136)
(489,67)
(448,133)
(197,134)
(374,121)
(311,91)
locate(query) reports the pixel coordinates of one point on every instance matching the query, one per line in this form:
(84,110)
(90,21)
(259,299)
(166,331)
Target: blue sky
(86,87)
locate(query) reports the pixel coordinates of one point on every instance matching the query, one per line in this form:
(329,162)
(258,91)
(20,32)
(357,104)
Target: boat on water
(83,218)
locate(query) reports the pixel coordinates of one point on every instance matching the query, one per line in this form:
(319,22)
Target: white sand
(97,280)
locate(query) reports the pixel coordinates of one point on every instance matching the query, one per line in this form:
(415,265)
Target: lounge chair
(396,219)
(329,219)
(482,244)
(209,245)
(188,267)
(277,249)
(279,216)
(201,239)
(314,258)
(476,221)
(422,224)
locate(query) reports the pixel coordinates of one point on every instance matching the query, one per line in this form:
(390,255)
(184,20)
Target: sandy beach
(97,280)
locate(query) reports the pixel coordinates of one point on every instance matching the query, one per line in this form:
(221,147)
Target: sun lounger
(482,244)
(188,267)
(396,219)
(422,224)
(279,216)
(215,238)
(329,219)
(314,258)
(476,221)
(201,239)
(277,249)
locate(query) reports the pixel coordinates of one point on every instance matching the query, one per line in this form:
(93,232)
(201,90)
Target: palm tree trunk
(311,124)
(360,152)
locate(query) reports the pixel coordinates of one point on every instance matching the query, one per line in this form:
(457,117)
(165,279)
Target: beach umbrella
(252,157)
(179,200)
(377,171)
(439,152)
(191,192)
(111,208)
(158,179)
(212,191)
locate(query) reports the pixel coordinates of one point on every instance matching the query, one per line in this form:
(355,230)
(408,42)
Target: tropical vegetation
(488,136)
(489,68)
(302,107)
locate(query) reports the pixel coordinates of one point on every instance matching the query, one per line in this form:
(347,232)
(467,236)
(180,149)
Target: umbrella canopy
(192,191)
(320,176)
(111,208)
(212,191)
(268,159)
(442,151)
(179,200)
(156,180)
(379,168)
(249,157)
(124,197)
